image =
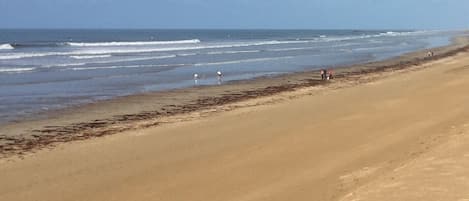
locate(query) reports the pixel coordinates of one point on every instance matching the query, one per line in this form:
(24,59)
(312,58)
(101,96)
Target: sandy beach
(394,133)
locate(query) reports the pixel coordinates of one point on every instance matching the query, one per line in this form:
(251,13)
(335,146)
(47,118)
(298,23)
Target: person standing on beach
(219,76)
(322,74)
(430,54)
(196,78)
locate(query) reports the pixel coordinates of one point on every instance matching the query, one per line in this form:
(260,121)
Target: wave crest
(91,56)
(15,70)
(6,47)
(137,43)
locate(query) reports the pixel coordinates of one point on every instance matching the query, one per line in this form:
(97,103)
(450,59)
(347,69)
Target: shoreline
(150,109)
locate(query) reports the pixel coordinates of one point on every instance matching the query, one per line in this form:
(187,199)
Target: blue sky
(269,14)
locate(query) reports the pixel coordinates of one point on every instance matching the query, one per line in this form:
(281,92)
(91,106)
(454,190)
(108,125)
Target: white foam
(130,50)
(6,47)
(15,70)
(136,59)
(164,65)
(408,33)
(111,61)
(23,55)
(186,54)
(91,56)
(63,65)
(233,52)
(242,61)
(128,66)
(391,33)
(105,67)
(384,34)
(88,52)
(215,46)
(290,49)
(138,43)
(139,59)
(275,42)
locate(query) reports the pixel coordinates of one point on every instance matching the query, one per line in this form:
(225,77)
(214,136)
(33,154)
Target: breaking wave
(383,34)
(15,70)
(138,43)
(128,66)
(109,48)
(91,56)
(233,52)
(6,47)
(143,50)
(111,61)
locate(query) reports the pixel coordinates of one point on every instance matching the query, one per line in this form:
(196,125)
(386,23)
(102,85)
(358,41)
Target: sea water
(47,69)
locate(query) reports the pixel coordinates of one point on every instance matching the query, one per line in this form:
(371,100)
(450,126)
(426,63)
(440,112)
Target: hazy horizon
(234,29)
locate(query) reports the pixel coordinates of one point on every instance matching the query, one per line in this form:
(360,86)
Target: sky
(236,14)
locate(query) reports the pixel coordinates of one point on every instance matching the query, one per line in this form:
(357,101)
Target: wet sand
(389,132)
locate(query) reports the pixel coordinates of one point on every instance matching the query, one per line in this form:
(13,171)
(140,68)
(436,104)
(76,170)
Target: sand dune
(397,136)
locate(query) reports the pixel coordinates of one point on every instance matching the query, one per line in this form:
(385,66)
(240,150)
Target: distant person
(331,75)
(219,77)
(430,54)
(323,76)
(196,78)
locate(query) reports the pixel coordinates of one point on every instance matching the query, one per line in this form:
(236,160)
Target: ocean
(43,70)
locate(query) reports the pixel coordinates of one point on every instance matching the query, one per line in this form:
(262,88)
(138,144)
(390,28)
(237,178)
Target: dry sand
(397,136)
